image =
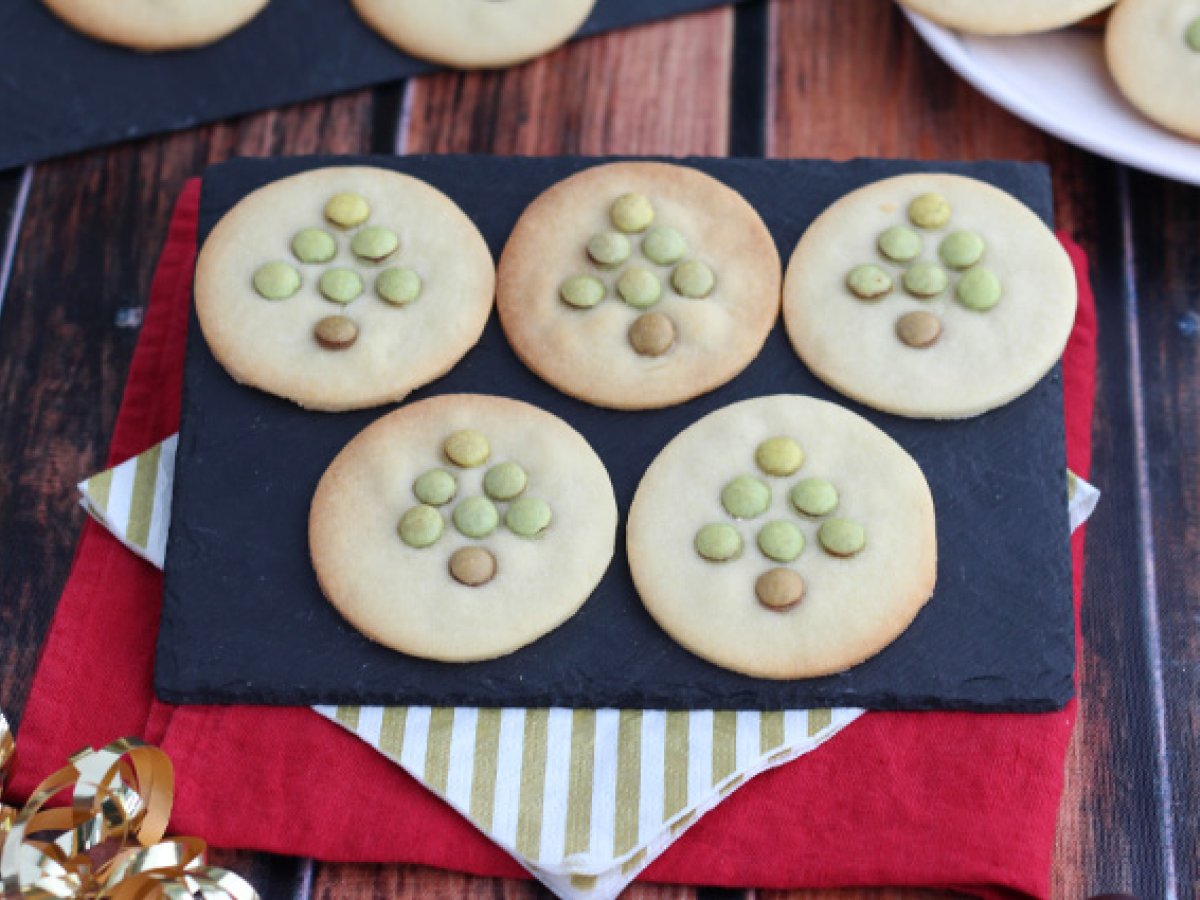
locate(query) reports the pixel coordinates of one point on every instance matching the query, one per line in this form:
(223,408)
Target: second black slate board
(63,92)
(245,622)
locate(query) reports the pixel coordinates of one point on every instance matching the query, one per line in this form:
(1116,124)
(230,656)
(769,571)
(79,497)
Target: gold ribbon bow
(108,844)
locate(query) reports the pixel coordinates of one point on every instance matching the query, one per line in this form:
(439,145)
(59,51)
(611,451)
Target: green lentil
(476,517)
(664,246)
(979,290)
(505,481)
(436,487)
(609,249)
(582,291)
(276,281)
(341,285)
(639,287)
(779,456)
(746,497)
(781,541)
(869,282)
(900,244)
(693,279)
(718,542)
(632,213)
(421,527)
(961,249)
(314,246)
(930,211)
(398,286)
(528,517)
(814,497)
(926,280)
(842,537)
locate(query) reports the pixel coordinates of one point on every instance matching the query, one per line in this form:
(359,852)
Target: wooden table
(789,78)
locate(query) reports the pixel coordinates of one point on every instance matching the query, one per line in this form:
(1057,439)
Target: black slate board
(244,620)
(61,92)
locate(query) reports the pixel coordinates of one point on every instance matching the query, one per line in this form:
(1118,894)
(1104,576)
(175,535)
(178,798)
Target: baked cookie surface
(1153,50)
(783,537)
(930,296)
(475,34)
(1006,17)
(639,285)
(156,24)
(343,288)
(463,527)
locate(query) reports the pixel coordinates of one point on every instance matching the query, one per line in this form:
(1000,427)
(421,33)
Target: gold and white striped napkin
(586,799)
(583,799)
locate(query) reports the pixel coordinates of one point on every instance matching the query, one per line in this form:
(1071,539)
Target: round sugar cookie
(475,34)
(463,527)
(639,285)
(930,296)
(1153,50)
(343,288)
(156,24)
(783,537)
(1006,17)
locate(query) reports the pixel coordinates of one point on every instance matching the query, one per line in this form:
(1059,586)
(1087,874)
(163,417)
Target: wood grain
(838,80)
(271,876)
(416,883)
(1107,828)
(1166,266)
(661,88)
(84,260)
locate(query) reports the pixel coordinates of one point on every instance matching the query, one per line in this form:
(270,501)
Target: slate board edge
(407,67)
(168,692)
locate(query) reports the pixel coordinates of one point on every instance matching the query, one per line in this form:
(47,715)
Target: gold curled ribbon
(108,843)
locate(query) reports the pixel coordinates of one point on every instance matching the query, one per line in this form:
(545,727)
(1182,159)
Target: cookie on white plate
(783,537)
(930,296)
(639,285)
(152,25)
(475,34)
(343,288)
(463,527)
(1153,49)
(1006,17)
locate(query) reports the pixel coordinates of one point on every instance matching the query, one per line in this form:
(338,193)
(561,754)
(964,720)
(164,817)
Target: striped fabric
(133,500)
(584,799)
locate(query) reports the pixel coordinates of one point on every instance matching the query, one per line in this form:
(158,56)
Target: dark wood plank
(748,88)
(656,89)
(271,876)
(14,191)
(83,263)
(890,96)
(364,882)
(1108,825)
(87,249)
(1166,269)
(85,257)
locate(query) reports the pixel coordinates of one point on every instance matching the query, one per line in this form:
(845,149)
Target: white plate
(1060,83)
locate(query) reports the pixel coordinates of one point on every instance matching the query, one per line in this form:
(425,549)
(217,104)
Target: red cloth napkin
(922,799)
